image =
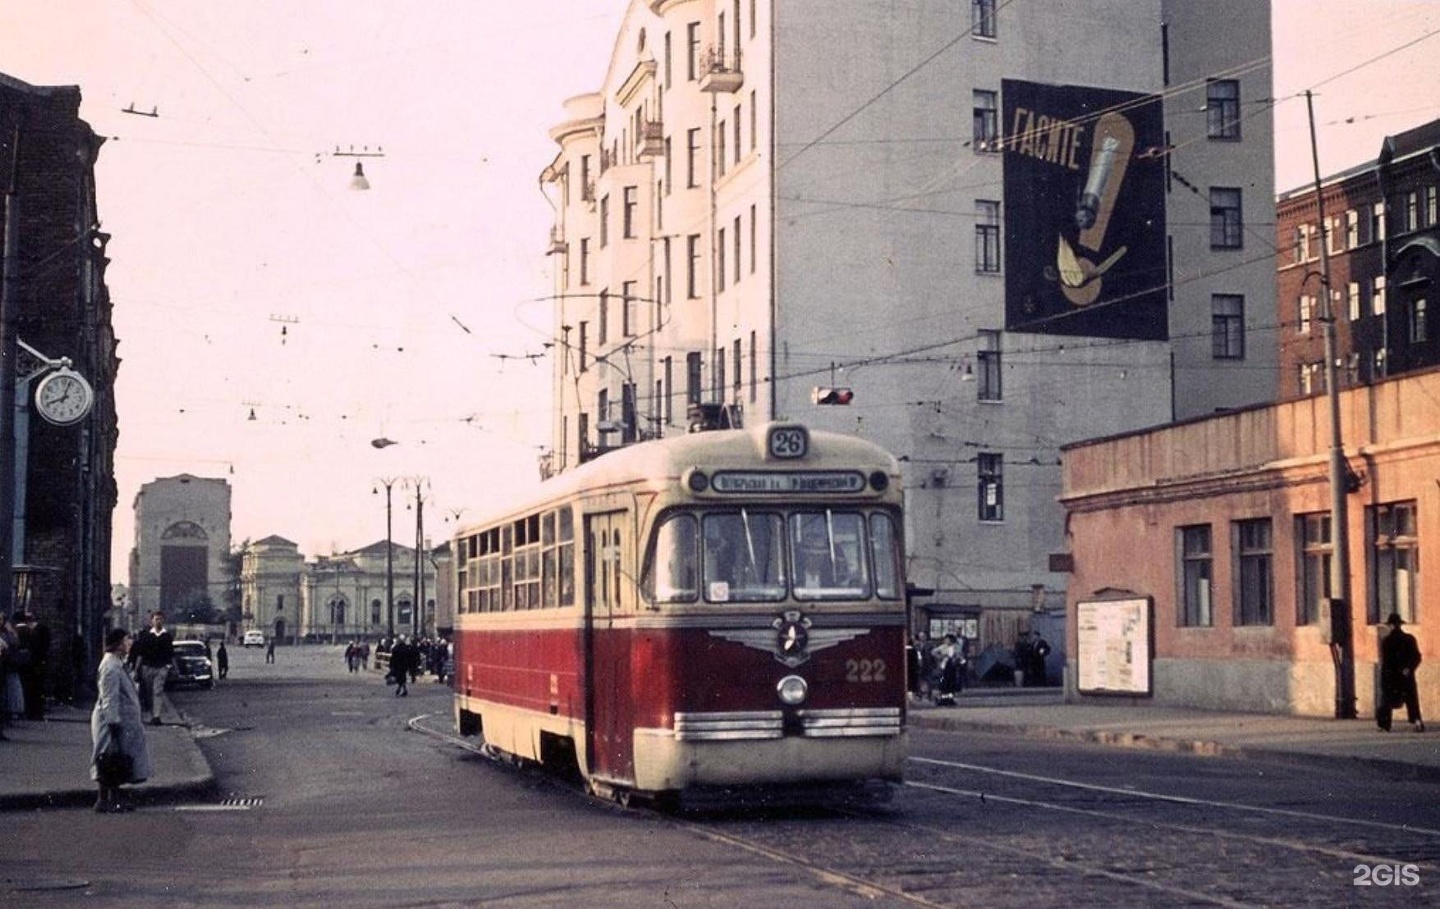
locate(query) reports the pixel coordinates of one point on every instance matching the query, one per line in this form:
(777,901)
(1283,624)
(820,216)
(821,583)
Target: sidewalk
(46,764)
(1138,723)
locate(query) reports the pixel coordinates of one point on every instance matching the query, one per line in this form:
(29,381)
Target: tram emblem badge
(790,638)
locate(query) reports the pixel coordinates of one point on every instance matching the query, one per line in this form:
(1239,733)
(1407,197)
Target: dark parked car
(192,665)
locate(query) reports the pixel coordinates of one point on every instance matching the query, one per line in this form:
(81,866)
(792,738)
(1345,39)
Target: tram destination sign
(809,482)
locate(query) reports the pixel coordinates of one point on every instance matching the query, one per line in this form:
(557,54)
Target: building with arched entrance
(345,595)
(182,540)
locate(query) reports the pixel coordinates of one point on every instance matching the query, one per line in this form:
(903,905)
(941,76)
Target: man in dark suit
(153,651)
(1399,658)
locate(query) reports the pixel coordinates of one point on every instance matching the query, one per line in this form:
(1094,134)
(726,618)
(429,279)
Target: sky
(248,278)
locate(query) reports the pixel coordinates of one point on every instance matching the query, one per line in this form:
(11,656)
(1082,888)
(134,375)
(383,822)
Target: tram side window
(743,557)
(566,549)
(829,549)
(671,577)
(885,555)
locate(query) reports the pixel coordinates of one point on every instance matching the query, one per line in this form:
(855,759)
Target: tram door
(608,711)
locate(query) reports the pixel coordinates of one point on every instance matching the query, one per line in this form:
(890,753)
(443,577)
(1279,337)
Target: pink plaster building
(1201,552)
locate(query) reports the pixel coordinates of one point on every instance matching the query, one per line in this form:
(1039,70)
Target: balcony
(651,141)
(557,243)
(720,71)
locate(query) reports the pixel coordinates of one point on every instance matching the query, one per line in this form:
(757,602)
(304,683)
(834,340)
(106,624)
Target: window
(1255,592)
(754,367)
(667,413)
(720,144)
(986,133)
(991,488)
(584,343)
(1222,109)
(982,18)
(692,266)
(1377,222)
(1418,321)
(692,154)
(1430,211)
(692,377)
(737,121)
(739,382)
(1304,314)
(604,220)
(828,555)
(692,51)
(743,557)
(754,120)
(1353,299)
(602,334)
(754,231)
(1302,243)
(670,577)
(736,232)
(1226,227)
(1309,378)
(1316,552)
(1377,296)
(584,260)
(1352,229)
(987,236)
(1395,561)
(1227,326)
(627,309)
(1195,576)
(988,387)
(720,261)
(628,215)
(669,59)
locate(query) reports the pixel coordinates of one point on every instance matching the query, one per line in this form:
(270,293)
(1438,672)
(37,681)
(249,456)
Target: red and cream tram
(719,609)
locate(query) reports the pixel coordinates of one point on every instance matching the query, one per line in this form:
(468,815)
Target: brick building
(62,476)
(1383,239)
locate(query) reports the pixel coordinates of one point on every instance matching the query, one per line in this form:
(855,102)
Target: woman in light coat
(117,719)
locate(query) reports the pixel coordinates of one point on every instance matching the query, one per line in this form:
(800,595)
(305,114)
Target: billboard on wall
(1084,174)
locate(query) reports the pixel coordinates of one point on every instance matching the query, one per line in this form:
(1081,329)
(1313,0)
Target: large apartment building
(1381,238)
(1000,227)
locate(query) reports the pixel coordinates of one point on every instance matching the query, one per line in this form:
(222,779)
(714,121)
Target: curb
(1204,748)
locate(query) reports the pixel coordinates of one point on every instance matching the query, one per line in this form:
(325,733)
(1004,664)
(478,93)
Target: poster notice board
(1114,646)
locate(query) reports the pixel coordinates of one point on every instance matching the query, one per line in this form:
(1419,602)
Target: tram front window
(674,569)
(743,559)
(828,548)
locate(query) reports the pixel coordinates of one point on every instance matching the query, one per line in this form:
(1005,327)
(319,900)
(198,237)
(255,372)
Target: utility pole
(388,482)
(1341,625)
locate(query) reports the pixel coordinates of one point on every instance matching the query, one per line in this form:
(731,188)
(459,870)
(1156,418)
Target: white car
(253,639)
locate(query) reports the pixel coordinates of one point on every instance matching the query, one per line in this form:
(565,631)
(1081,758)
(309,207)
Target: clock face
(63,397)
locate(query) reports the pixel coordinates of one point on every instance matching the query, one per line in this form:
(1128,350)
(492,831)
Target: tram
(693,616)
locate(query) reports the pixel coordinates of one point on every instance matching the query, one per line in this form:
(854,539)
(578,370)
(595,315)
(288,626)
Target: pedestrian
(1039,650)
(152,652)
(35,648)
(222,660)
(1024,659)
(12,699)
(270,651)
(951,662)
(1399,658)
(116,726)
(402,659)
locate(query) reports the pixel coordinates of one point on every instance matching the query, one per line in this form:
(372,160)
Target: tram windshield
(765,556)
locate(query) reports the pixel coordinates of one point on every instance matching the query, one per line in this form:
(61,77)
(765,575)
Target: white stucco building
(1003,227)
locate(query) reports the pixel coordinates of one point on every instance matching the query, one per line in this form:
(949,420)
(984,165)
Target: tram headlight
(792,690)
(698,481)
(879,481)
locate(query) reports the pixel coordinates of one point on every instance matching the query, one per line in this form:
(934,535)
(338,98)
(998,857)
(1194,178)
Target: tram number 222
(1386,875)
(864,670)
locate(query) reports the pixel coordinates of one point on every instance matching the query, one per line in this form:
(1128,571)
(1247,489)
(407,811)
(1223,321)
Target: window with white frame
(987,236)
(1317,551)
(982,18)
(1196,573)
(1226,225)
(1418,320)
(1222,109)
(1394,561)
(986,125)
(1227,326)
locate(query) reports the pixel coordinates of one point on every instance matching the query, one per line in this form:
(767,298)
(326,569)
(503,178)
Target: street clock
(64,397)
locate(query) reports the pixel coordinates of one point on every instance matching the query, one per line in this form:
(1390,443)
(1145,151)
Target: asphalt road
(334,799)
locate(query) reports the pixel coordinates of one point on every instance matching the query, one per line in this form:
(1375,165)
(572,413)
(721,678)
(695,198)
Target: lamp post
(1342,650)
(388,482)
(417,617)
(9,354)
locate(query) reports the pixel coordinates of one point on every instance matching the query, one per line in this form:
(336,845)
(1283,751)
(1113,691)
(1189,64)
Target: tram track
(963,834)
